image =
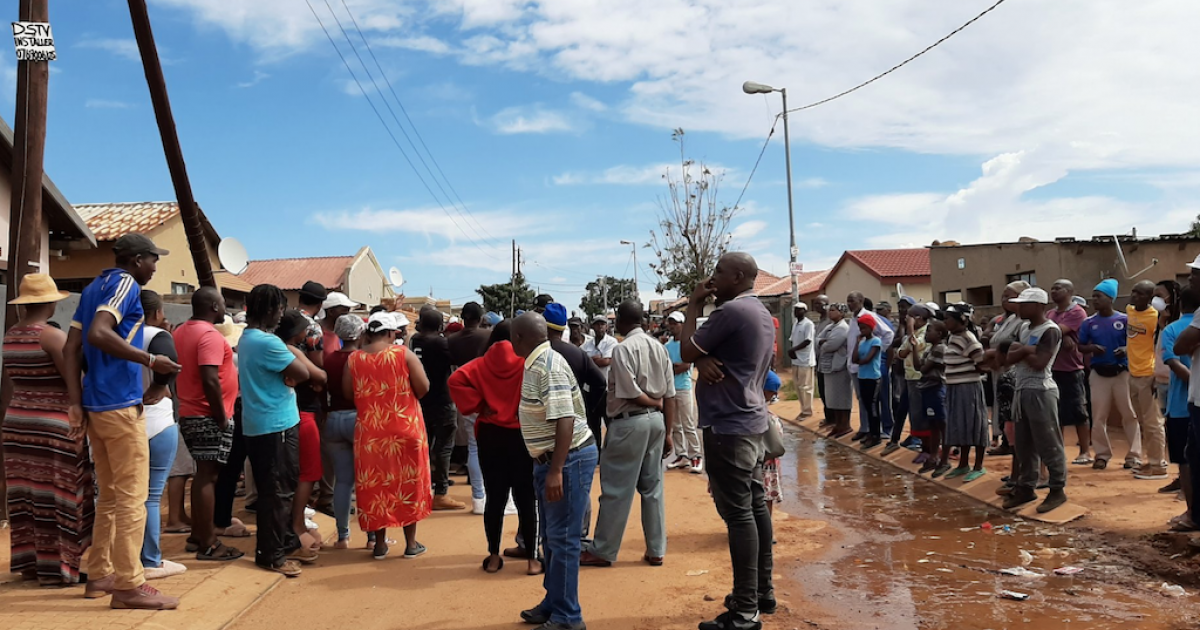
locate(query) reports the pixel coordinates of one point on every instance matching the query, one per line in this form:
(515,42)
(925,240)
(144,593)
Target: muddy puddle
(915,555)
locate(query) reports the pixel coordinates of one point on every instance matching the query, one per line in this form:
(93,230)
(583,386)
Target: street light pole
(751,87)
(636,295)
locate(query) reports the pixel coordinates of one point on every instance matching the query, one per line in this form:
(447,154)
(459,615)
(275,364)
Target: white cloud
(628,175)
(993,208)
(434,222)
(584,101)
(259,77)
(748,230)
(423,43)
(100,103)
(535,119)
(581,254)
(811,183)
(125,48)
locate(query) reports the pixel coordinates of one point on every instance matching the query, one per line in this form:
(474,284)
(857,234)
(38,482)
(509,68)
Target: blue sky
(552,122)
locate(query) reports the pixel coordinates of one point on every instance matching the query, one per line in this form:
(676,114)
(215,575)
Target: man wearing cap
(1035,424)
(106,332)
(641,412)
(1104,337)
(1068,370)
(600,348)
(802,356)
(686,434)
(857,304)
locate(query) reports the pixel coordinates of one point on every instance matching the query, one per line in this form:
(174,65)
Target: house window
(1027,276)
(952,297)
(181,288)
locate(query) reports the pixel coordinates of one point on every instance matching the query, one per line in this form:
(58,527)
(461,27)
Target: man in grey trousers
(641,411)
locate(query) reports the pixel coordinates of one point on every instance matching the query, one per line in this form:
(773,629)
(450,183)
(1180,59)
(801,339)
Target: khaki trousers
(685,434)
(1110,394)
(802,376)
(122,455)
(1154,431)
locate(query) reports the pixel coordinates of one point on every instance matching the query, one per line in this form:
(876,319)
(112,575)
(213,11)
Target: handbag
(773,439)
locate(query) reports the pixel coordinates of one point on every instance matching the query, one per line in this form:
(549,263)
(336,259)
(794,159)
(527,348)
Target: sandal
(974,474)
(1082,460)
(1184,525)
(958,472)
(236,529)
(182,529)
(220,553)
(499,567)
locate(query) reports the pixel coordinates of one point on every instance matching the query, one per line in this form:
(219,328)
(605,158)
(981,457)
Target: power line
(389,129)
(902,63)
(756,162)
(461,204)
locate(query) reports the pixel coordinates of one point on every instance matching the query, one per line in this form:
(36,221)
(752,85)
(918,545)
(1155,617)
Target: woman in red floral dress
(391,453)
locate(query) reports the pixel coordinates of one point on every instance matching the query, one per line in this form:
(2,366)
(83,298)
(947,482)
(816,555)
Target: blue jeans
(562,527)
(338,438)
(162,455)
(473,469)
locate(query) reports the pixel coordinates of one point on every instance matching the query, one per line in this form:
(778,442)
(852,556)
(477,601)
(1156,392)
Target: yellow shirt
(1140,348)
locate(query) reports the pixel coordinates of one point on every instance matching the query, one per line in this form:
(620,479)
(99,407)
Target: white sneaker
(511,508)
(309,513)
(477,505)
(697,466)
(680,461)
(168,569)
(310,524)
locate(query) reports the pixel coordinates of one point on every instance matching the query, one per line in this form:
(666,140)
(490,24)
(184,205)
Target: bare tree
(693,226)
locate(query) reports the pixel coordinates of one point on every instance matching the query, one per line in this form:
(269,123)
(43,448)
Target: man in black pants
(733,352)
(440,415)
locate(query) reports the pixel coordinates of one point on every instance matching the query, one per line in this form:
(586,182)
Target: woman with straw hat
(49,474)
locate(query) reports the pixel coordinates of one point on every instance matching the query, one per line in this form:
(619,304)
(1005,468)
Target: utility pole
(636,295)
(604,292)
(188,210)
(512,294)
(787,153)
(29,148)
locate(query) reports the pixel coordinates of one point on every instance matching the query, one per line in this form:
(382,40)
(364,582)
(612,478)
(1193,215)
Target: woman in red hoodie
(491,387)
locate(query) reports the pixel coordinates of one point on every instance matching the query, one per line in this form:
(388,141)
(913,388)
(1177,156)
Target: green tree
(1195,230)
(617,290)
(506,298)
(693,225)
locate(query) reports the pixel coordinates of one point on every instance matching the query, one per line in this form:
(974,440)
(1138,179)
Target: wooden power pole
(29,148)
(188,210)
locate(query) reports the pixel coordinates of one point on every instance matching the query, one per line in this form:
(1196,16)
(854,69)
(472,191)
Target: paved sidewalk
(213,594)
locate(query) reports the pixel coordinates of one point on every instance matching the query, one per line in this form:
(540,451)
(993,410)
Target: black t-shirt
(434,353)
(467,345)
(592,382)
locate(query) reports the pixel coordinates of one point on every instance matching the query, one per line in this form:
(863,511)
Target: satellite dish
(899,290)
(1121,256)
(396,277)
(232,255)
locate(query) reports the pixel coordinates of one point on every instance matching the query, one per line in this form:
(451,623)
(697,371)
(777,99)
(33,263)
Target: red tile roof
(806,282)
(764,280)
(290,274)
(110,221)
(892,263)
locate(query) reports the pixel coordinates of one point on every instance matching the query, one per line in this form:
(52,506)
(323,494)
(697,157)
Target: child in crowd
(771,481)
(869,357)
(933,395)
(966,408)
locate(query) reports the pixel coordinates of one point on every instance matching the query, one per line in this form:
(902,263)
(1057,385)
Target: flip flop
(1082,460)
(236,530)
(220,553)
(957,472)
(185,529)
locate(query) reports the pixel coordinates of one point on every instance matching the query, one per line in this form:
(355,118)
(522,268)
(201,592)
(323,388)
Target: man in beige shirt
(641,410)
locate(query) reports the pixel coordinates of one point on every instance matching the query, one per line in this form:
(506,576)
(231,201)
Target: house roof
(226,280)
(765,280)
(63,220)
(290,274)
(110,221)
(889,263)
(806,282)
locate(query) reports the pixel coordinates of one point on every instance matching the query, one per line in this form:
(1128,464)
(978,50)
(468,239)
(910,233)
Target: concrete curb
(982,490)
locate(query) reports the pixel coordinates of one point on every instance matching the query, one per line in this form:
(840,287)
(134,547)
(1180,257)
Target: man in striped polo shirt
(554,425)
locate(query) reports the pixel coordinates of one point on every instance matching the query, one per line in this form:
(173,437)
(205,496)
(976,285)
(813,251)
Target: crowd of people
(318,408)
(1025,383)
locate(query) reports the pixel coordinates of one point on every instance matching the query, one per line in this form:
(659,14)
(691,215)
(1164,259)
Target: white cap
(800,305)
(337,299)
(1195,264)
(677,316)
(401,320)
(1032,296)
(454,320)
(383,320)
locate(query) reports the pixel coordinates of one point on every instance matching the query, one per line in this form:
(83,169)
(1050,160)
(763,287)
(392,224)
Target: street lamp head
(627,242)
(750,87)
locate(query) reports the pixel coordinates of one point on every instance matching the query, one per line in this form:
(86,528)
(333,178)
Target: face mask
(1159,304)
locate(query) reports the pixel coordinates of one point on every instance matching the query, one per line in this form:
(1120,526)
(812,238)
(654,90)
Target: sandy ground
(446,588)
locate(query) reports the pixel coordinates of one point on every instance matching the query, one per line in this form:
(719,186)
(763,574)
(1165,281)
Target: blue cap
(773,382)
(1108,287)
(492,319)
(556,316)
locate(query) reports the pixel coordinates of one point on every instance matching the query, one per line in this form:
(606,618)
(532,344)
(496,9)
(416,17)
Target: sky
(549,122)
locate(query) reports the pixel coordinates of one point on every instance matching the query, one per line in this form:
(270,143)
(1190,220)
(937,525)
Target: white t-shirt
(604,349)
(161,415)
(803,330)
